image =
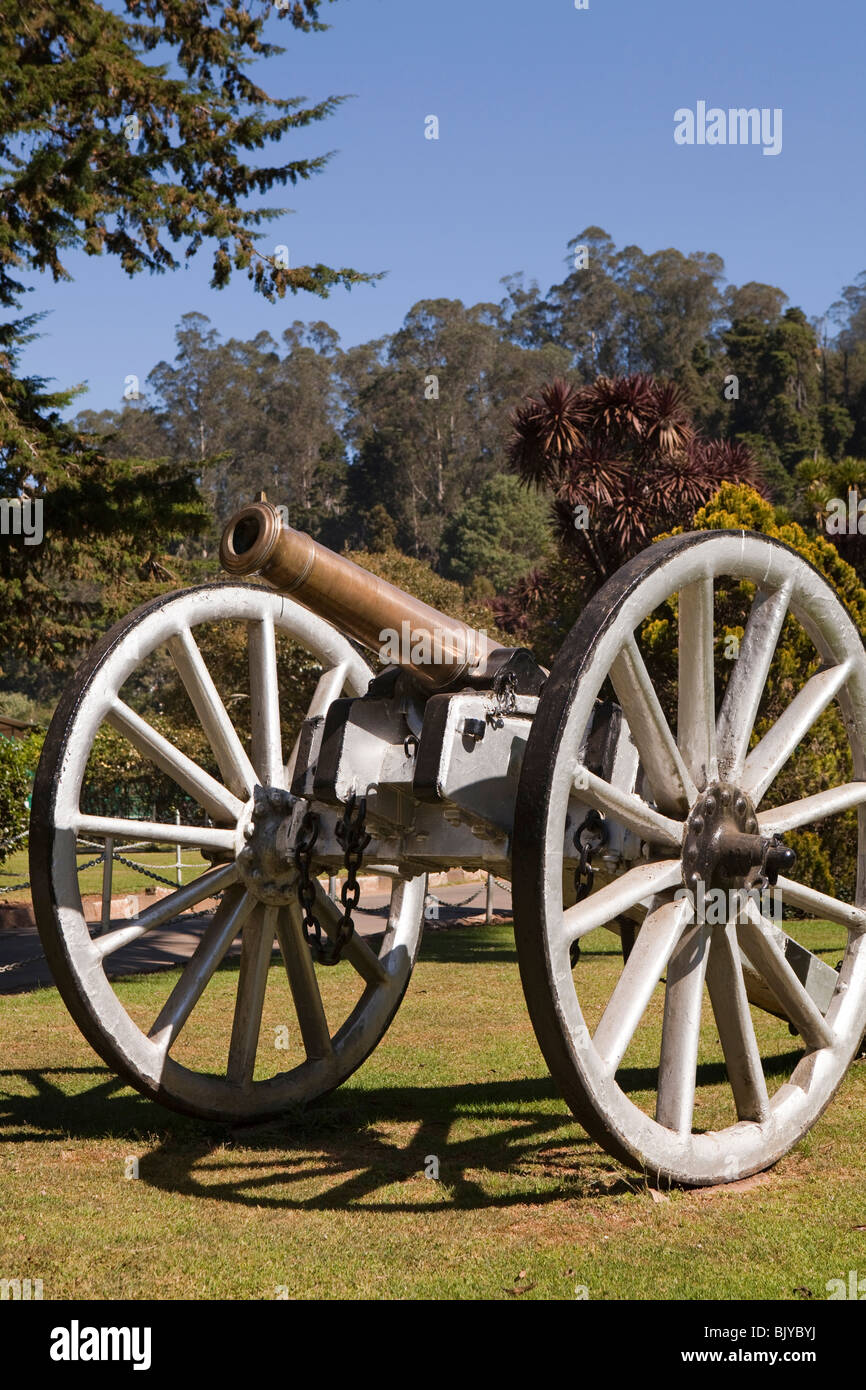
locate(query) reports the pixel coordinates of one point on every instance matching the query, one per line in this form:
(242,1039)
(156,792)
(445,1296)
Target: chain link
(441,902)
(354,839)
(584,875)
(17,964)
(504,698)
(16,839)
(91,863)
(307,837)
(131,864)
(4,850)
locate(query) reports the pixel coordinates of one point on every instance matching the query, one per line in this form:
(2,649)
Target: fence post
(332,887)
(107,868)
(178,866)
(488,915)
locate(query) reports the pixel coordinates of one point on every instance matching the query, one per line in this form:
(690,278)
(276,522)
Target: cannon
(615,802)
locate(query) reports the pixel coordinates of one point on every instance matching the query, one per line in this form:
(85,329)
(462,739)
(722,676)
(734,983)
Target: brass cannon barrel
(402,629)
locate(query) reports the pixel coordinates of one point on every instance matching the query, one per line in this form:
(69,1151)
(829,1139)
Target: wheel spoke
(696,700)
(265,703)
(812,808)
(628,809)
(227,921)
(219,803)
(775,748)
(357,952)
(198,836)
(206,886)
(329,688)
(821,905)
(748,679)
(229,941)
(257,943)
(618,897)
(672,784)
(736,1030)
(681,1029)
(221,733)
(759,940)
(301,971)
(641,973)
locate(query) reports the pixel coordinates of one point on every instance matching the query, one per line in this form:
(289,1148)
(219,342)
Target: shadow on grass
(461,942)
(342,1154)
(632,1079)
(337,1153)
(524,1148)
(469,945)
(107,1109)
(452,945)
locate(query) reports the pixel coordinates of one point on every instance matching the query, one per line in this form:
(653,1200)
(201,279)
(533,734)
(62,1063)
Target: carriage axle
(722,848)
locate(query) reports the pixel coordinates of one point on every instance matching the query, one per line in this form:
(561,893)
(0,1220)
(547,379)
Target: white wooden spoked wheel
(708,749)
(141,1054)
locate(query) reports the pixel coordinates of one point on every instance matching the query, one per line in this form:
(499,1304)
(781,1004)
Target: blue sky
(551,119)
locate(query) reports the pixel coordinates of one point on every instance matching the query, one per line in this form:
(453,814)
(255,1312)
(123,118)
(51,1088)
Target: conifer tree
(105,149)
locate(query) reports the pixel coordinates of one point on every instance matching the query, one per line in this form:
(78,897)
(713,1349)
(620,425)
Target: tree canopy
(131,132)
(108,152)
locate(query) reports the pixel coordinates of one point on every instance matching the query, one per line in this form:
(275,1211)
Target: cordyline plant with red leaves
(625,450)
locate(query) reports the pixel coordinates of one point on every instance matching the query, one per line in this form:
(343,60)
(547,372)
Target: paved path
(167,946)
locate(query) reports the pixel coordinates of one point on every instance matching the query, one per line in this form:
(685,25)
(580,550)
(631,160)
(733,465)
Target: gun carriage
(576,784)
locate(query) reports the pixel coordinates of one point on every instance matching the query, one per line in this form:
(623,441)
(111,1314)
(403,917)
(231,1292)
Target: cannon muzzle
(438,649)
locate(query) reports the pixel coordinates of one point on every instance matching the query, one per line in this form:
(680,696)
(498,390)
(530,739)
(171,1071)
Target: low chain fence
(109,855)
(4,850)
(432,903)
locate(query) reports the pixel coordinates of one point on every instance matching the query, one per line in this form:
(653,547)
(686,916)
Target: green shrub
(498,535)
(18,759)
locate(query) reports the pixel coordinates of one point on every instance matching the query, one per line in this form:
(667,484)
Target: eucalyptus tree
(427,414)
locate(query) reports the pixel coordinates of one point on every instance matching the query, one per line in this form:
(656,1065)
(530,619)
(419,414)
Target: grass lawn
(334,1202)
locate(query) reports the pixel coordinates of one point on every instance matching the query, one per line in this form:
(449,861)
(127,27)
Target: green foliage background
(18,759)
(495,537)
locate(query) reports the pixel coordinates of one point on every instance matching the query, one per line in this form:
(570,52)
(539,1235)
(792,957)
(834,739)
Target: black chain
(584,874)
(354,839)
(309,834)
(504,697)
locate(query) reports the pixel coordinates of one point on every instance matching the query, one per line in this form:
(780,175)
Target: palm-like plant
(625,449)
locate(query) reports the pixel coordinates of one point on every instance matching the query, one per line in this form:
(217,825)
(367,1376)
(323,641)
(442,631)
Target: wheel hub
(722,846)
(266,864)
